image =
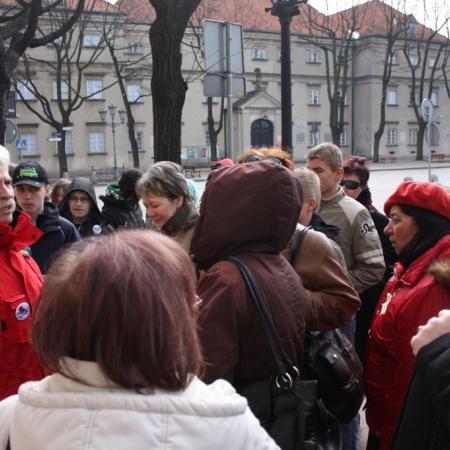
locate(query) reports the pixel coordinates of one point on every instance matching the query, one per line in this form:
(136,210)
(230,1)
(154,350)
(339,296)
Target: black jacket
(95,224)
(425,421)
(370,296)
(58,233)
(122,214)
(318,224)
(380,221)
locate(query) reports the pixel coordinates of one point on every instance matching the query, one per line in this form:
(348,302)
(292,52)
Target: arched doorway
(262,133)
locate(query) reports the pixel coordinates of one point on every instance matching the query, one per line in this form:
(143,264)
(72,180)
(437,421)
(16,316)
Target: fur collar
(440,269)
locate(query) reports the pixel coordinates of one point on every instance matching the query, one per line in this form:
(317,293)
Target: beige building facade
(256,117)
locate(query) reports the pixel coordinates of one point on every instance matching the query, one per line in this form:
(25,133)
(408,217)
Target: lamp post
(113,124)
(285,10)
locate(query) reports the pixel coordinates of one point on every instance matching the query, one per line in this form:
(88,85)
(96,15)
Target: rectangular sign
(215,47)
(54,139)
(215,85)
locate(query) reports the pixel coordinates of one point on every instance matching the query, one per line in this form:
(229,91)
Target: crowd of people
(124,331)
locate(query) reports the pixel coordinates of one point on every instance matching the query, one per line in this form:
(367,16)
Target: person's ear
(179,201)
(312,204)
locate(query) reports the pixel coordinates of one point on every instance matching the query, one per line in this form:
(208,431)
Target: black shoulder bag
(331,359)
(286,406)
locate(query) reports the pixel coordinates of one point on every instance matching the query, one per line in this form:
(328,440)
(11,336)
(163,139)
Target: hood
(440,269)
(79,184)
(250,207)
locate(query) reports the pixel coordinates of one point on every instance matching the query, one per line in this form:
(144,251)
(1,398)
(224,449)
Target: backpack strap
(297,242)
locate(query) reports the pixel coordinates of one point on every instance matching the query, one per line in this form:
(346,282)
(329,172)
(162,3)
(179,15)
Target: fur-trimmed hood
(440,269)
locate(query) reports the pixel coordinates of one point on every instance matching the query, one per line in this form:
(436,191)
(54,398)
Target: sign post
(426,109)
(224,58)
(21,144)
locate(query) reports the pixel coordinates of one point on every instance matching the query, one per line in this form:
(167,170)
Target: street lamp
(113,124)
(285,10)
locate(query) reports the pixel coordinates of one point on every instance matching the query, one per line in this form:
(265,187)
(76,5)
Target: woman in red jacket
(419,229)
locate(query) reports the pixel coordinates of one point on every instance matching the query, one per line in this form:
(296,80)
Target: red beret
(430,196)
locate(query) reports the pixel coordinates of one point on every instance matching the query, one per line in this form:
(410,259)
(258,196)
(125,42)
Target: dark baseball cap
(30,172)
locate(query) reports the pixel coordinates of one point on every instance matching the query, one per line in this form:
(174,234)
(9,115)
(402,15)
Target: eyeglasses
(350,184)
(254,158)
(79,199)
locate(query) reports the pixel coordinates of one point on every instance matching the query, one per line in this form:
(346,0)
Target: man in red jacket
(21,282)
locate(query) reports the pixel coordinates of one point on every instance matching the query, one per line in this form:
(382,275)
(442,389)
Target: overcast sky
(410,6)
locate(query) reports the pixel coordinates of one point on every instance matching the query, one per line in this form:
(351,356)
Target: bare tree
(335,35)
(424,51)
(126,68)
(394,23)
(20,28)
(168,86)
(70,62)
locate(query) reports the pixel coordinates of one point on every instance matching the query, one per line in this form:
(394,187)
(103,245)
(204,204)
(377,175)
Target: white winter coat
(58,413)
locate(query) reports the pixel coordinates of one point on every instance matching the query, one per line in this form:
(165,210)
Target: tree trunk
(380,130)
(168,87)
(212,131)
(4,89)
(133,141)
(376,143)
(62,158)
(420,141)
(130,118)
(336,132)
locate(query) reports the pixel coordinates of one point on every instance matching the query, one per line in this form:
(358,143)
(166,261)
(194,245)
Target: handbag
(331,359)
(287,407)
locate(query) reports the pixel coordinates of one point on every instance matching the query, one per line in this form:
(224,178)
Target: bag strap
(297,242)
(285,367)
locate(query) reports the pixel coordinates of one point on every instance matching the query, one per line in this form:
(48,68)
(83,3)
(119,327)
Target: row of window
(313,56)
(93,40)
(391,135)
(96,143)
(314,135)
(94,90)
(392,100)
(97,140)
(414,60)
(261,53)
(314,96)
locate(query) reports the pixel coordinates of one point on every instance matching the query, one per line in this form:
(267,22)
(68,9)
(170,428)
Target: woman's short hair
(357,165)
(327,152)
(126,302)
(164,178)
(62,183)
(310,184)
(127,183)
(276,154)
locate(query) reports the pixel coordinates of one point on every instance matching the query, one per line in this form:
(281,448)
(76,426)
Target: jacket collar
(21,236)
(48,220)
(185,216)
(424,263)
(335,197)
